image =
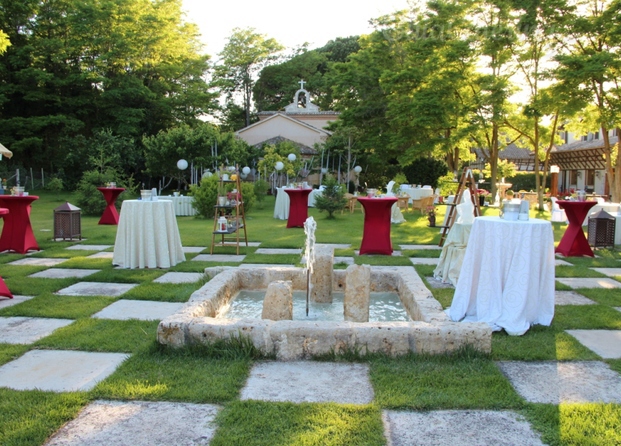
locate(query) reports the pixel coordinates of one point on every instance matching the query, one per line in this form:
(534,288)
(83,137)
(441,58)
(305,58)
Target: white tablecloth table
(147,236)
(507,276)
(182,205)
(418,193)
(312,196)
(281,207)
(611,208)
(453,253)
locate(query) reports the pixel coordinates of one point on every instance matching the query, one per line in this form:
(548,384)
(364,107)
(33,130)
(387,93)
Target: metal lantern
(602,230)
(67,224)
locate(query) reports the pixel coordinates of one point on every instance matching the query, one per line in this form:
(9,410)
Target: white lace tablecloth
(182,205)
(418,193)
(507,276)
(147,236)
(453,253)
(281,207)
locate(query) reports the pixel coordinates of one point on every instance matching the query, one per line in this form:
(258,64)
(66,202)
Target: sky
(290,22)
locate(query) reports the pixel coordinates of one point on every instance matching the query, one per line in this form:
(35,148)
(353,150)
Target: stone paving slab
(337,245)
(437,283)
(193,249)
(139,423)
(179,277)
(606,343)
(220,258)
(571,298)
(59,370)
(144,310)
(345,260)
(601,282)
(610,272)
(416,247)
(278,251)
(6,302)
(26,330)
(552,382)
(82,247)
(307,381)
(101,255)
(96,289)
(458,428)
(37,261)
(64,273)
(424,260)
(617,308)
(559,262)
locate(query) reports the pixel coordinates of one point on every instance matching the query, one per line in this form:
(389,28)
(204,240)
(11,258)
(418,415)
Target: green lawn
(216,373)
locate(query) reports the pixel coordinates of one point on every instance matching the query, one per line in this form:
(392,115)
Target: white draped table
(281,207)
(147,236)
(507,276)
(181,204)
(453,252)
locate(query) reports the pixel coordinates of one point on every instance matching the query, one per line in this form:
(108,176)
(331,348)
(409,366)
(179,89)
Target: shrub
(89,199)
(260,191)
(332,199)
(55,185)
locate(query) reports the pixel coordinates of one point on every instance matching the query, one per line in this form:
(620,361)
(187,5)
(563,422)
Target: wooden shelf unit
(467,181)
(234,214)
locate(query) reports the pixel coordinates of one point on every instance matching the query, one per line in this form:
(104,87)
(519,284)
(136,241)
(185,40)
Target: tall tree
(78,66)
(590,71)
(278,83)
(243,56)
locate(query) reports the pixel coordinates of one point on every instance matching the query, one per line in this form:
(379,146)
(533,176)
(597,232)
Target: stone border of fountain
(430,331)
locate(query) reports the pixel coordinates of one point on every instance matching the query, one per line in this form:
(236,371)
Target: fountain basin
(430,330)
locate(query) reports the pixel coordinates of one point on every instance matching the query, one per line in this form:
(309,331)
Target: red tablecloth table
(376,233)
(17,232)
(298,207)
(4,290)
(574,243)
(110,215)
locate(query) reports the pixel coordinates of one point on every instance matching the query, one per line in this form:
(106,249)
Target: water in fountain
(384,306)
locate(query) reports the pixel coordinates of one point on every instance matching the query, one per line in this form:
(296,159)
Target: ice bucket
(145,195)
(510,211)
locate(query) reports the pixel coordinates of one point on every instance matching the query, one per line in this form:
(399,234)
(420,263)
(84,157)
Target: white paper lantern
(357,169)
(182,164)
(291,157)
(246,170)
(279,165)
(207,174)
(324,170)
(231,168)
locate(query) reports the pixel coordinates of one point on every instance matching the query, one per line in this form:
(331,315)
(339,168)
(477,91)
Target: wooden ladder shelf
(466,181)
(231,209)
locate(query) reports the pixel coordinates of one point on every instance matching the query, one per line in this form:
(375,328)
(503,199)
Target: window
(573,178)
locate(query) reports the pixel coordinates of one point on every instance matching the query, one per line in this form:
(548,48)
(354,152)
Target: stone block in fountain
(357,293)
(321,279)
(278,302)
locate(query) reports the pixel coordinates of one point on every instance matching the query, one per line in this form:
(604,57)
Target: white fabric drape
(181,205)
(281,207)
(147,236)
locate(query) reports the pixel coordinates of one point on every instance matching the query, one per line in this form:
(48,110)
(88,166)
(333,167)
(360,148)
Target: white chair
(558,214)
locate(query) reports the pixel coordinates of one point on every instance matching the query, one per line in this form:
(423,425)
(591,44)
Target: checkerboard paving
(111,422)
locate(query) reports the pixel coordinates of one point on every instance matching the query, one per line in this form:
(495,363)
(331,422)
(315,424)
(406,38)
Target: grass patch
(604,296)
(64,307)
(272,424)
(135,275)
(539,343)
(29,417)
(464,380)
(581,271)
(102,335)
(162,374)
(163,292)
(9,352)
(382,260)
(587,424)
(587,317)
